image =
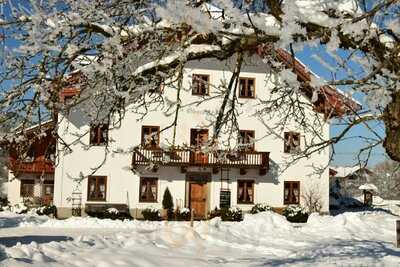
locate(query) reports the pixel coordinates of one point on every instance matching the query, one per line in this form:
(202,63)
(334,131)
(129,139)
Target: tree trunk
(392,123)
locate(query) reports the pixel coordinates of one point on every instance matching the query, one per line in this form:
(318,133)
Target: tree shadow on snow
(341,250)
(10,241)
(6,222)
(335,212)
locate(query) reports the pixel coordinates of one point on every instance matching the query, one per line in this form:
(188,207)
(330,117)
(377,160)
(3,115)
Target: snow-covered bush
(112,211)
(214,213)
(233,214)
(182,214)
(151,214)
(109,213)
(19,208)
(114,214)
(295,213)
(47,210)
(260,207)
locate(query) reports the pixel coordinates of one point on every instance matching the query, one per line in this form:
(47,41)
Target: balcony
(35,166)
(186,157)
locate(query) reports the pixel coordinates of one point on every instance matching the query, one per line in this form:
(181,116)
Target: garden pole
(191,217)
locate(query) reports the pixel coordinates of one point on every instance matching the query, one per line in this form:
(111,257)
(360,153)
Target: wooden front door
(198,138)
(198,198)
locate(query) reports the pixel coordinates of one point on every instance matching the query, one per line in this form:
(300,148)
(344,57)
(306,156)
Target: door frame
(198,178)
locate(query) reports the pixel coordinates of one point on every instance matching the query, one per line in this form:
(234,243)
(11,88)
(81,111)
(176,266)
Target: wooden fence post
(398,233)
(191,217)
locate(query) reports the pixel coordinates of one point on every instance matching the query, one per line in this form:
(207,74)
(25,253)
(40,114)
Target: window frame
(46,184)
(142,141)
(97,178)
(27,182)
(146,179)
(245,191)
(286,147)
(246,132)
(198,80)
(246,95)
(99,128)
(290,201)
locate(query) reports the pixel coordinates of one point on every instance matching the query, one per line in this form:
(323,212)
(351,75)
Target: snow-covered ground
(265,239)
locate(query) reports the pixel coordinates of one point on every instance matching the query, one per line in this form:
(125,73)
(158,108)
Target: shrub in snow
(214,213)
(233,214)
(168,204)
(47,210)
(151,214)
(295,213)
(110,213)
(19,208)
(260,207)
(114,214)
(3,201)
(182,214)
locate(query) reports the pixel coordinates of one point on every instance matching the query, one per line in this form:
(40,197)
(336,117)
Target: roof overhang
(331,101)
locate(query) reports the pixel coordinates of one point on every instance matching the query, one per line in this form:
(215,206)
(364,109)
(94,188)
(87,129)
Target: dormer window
(291,142)
(247,87)
(99,134)
(200,84)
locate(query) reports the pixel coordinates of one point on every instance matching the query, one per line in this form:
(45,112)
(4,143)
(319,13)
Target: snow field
(264,239)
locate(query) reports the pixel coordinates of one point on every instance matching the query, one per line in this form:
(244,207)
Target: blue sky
(347,150)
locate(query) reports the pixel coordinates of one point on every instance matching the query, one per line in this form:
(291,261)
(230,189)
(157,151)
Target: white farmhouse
(97,171)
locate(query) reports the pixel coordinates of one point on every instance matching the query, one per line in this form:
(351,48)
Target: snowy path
(357,239)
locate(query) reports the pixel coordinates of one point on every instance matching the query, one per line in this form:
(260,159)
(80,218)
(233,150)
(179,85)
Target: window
(291,193)
(245,192)
(198,137)
(246,140)
(27,188)
(48,188)
(292,142)
(148,189)
(200,84)
(247,87)
(99,134)
(150,136)
(97,186)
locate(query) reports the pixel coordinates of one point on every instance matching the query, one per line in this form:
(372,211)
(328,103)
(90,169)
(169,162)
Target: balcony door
(198,138)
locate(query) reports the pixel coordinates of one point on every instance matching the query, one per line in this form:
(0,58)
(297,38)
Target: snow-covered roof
(343,171)
(371,187)
(45,124)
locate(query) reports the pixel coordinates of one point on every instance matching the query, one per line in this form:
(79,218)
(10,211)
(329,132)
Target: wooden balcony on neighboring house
(186,158)
(38,166)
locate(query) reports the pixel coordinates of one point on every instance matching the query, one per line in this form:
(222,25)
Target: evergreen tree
(168,203)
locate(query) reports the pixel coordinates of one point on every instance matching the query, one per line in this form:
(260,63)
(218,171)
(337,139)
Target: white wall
(123,184)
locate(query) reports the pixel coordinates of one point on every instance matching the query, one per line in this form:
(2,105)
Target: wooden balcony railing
(187,157)
(36,166)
